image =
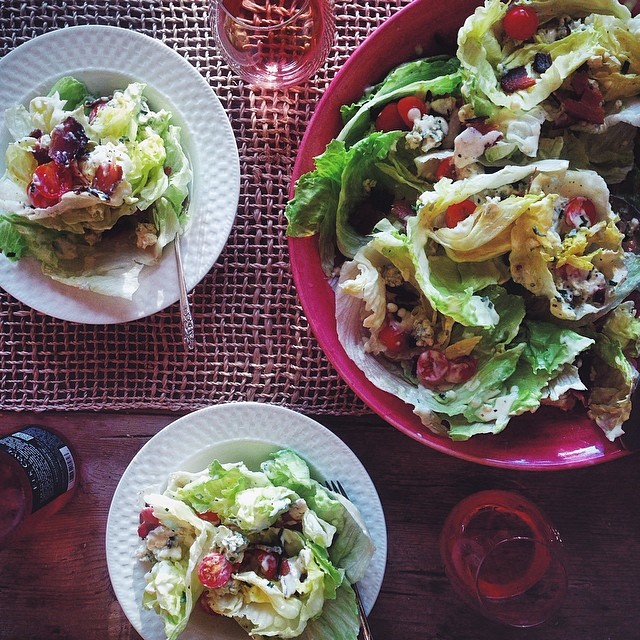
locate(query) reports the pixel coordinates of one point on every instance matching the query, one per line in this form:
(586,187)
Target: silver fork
(186,319)
(336,487)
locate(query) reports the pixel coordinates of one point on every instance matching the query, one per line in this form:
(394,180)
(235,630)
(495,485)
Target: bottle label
(47,461)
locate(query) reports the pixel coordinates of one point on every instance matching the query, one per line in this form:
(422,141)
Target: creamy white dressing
(297,569)
(470,144)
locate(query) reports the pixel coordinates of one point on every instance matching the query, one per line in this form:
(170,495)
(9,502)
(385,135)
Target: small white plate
(245,431)
(107,58)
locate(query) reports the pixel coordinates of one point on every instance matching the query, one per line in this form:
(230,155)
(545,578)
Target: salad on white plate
(489,272)
(95,186)
(272,549)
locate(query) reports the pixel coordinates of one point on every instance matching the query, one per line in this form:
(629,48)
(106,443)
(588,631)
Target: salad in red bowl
(472,216)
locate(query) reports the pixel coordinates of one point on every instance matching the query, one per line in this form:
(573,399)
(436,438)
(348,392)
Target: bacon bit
(516,79)
(587,104)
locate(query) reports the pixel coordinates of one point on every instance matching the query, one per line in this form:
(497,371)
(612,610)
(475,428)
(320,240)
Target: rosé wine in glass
(504,558)
(273,43)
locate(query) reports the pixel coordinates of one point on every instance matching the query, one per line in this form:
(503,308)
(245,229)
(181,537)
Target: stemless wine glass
(273,43)
(504,558)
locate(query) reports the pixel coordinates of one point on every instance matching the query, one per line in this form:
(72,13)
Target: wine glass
(504,558)
(273,43)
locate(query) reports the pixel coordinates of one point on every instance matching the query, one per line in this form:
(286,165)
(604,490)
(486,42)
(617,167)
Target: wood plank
(54,581)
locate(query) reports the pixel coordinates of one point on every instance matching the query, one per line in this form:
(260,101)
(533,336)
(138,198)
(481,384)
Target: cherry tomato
(461,369)
(520,23)
(285,567)
(432,368)
(402,210)
(483,126)
(214,570)
(580,212)
(107,177)
(148,522)
(446,169)
(95,109)
(389,119)
(458,212)
(411,108)
(268,564)
(210,516)
(49,182)
(393,337)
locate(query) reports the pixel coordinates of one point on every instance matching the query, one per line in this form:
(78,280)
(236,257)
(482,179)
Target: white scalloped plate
(245,431)
(108,58)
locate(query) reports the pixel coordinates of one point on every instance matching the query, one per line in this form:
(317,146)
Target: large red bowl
(548,439)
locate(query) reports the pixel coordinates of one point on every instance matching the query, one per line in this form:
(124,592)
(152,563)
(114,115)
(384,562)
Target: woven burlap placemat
(254,340)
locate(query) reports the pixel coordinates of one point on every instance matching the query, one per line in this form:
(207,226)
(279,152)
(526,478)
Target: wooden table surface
(54,583)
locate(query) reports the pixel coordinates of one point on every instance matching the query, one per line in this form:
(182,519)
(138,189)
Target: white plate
(245,431)
(108,58)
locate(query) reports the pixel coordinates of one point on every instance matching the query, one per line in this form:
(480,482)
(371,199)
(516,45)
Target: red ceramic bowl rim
(582,442)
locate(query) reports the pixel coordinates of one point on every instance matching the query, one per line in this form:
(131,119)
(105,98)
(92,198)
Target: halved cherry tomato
(432,368)
(393,337)
(389,119)
(210,516)
(458,212)
(520,23)
(411,108)
(446,169)
(580,212)
(285,567)
(148,522)
(49,182)
(484,127)
(461,369)
(95,108)
(214,570)
(268,564)
(107,177)
(402,210)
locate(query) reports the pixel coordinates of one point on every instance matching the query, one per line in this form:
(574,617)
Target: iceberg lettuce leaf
(437,77)
(172,585)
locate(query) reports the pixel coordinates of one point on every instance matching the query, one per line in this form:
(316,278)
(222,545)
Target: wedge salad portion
(272,549)
(94,187)
(476,217)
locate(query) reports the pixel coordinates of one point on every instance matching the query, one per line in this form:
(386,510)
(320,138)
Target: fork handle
(365,631)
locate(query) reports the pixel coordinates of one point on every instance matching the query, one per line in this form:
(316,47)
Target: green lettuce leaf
(332,541)
(486,233)
(326,199)
(614,376)
(263,607)
(352,547)
(613,380)
(172,585)
(517,359)
(539,245)
(72,91)
(90,240)
(438,76)
(484,51)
